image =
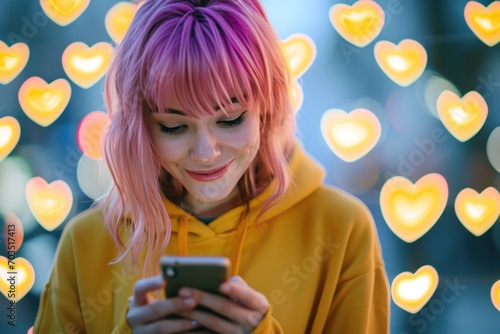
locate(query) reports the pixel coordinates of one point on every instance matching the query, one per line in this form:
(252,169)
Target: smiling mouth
(209,175)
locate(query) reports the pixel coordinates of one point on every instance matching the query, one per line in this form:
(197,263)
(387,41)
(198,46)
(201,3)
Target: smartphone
(205,273)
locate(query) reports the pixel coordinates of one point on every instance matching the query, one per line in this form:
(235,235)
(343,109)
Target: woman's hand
(243,310)
(147,315)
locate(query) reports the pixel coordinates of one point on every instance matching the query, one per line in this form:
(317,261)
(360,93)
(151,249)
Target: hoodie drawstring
(182,242)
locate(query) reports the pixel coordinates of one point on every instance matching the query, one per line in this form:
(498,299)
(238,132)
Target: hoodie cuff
(268,325)
(122,327)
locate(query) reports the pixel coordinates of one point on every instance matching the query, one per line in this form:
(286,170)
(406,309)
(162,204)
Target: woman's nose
(206,147)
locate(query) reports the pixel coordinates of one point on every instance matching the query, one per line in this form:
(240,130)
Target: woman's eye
(233,122)
(171,130)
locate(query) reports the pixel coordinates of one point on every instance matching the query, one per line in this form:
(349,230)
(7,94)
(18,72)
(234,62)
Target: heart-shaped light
(90,131)
(495,295)
(63,12)
(410,210)
(43,102)
(350,135)
(403,63)
(16,277)
(462,117)
(86,65)
(13,232)
(358,24)
(10,132)
(478,212)
(300,51)
(484,21)
(412,291)
(12,61)
(49,203)
(118,20)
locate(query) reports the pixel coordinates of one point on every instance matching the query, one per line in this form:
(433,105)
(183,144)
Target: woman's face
(207,155)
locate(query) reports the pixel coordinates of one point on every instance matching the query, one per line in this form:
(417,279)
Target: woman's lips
(208,175)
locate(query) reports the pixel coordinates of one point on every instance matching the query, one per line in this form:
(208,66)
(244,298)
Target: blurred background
(413,142)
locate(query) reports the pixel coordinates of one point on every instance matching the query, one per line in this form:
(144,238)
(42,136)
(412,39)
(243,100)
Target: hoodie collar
(306,175)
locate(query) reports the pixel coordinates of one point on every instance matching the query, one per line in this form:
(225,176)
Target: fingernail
(194,323)
(188,301)
(234,278)
(184,292)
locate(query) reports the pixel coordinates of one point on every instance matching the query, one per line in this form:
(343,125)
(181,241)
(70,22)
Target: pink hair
(200,52)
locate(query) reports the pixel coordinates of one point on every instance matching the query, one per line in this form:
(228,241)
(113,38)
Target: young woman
(202,152)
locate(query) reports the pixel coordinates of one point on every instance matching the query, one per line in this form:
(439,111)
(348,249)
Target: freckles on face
(207,155)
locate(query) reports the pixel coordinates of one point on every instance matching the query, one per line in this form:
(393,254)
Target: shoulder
(90,221)
(336,201)
(343,213)
(86,228)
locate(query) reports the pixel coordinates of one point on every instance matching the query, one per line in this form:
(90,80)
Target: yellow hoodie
(315,255)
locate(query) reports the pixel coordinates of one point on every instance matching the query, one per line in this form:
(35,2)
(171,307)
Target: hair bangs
(202,66)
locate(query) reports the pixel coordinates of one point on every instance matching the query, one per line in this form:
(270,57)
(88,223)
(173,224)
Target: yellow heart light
(300,51)
(10,131)
(118,20)
(484,21)
(12,61)
(495,295)
(350,135)
(89,133)
(63,12)
(412,291)
(85,66)
(462,117)
(16,277)
(403,63)
(13,232)
(478,212)
(49,203)
(43,102)
(410,210)
(358,24)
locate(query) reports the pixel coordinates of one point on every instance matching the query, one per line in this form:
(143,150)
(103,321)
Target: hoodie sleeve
(59,309)
(268,325)
(361,301)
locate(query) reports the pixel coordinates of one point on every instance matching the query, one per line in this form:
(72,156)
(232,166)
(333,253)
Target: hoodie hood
(306,177)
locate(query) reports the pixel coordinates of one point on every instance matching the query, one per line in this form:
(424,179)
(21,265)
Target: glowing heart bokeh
(10,132)
(495,295)
(410,210)
(118,20)
(50,203)
(403,63)
(89,133)
(412,291)
(43,102)
(13,232)
(12,61)
(358,24)
(462,117)
(63,12)
(22,274)
(86,65)
(300,51)
(484,21)
(478,212)
(350,135)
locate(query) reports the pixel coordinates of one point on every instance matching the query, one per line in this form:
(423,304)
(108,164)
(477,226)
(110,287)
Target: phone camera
(170,272)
